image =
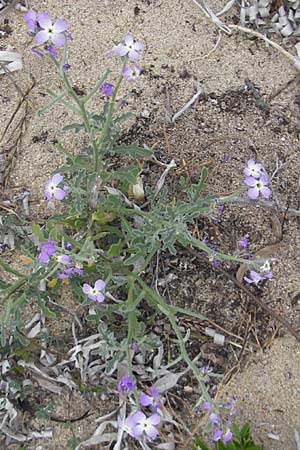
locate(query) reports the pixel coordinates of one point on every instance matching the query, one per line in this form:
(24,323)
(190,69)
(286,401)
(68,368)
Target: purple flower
(131,74)
(214,418)
(69,272)
(51,50)
(227,436)
(253,169)
(217,435)
(47,250)
(151,400)
(129,48)
(128,425)
(49,32)
(66,66)
(94,293)
(68,246)
(258,186)
(207,405)
(64,259)
(255,277)
(125,384)
(52,189)
(30,17)
(141,423)
(243,242)
(106,89)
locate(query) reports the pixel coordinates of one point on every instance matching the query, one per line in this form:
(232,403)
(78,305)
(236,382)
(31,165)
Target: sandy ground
(225,122)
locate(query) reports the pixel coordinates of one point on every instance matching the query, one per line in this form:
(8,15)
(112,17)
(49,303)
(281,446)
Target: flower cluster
(48,252)
(256,179)
(138,424)
(48,249)
(106,89)
(45,32)
(220,419)
(130,49)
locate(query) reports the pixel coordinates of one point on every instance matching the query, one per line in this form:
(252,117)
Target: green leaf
(115,249)
(133,258)
(37,231)
(128,174)
(199,445)
(133,150)
(73,126)
(46,311)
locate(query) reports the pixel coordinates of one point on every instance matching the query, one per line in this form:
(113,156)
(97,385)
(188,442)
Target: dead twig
(187,105)
(295,60)
(263,203)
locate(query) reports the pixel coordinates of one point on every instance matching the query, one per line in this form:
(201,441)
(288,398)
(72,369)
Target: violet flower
(52,189)
(94,293)
(129,48)
(106,89)
(64,259)
(51,50)
(150,400)
(131,74)
(49,32)
(258,186)
(47,250)
(227,436)
(253,169)
(128,425)
(255,277)
(207,405)
(243,242)
(68,272)
(217,434)
(143,424)
(125,384)
(214,418)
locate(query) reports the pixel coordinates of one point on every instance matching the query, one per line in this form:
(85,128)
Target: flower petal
(250,181)
(145,400)
(58,39)
(99,298)
(99,285)
(60,26)
(59,194)
(57,178)
(44,20)
(86,288)
(151,432)
(128,39)
(154,419)
(133,55)
(266,192)
(253,193)
(41,37)
(139,46)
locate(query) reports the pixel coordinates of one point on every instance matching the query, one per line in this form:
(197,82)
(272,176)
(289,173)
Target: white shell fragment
(285,21)
(10,61)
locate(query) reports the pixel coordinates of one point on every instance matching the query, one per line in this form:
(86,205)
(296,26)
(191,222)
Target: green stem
(167,310)
(96,87)
(132,321)
(110,113)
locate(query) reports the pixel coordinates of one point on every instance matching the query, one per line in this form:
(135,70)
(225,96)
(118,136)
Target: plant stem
(110,112)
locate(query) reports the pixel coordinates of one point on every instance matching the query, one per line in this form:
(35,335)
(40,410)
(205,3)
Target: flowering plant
(102,240)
